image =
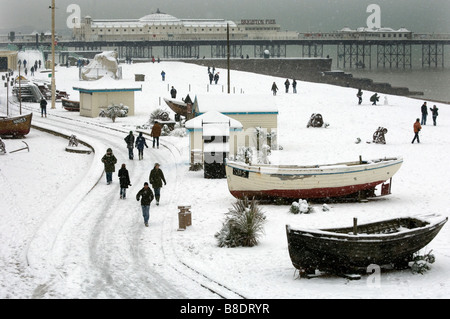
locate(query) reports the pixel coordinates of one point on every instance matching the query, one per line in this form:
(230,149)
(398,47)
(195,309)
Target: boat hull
(334,252)
(72,106)
(179,108)
(294,182)
(16,126)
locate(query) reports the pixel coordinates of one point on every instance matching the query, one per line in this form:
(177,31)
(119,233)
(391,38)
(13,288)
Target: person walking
(434,114)
(156,133)
(211,77)
(109,160)
(417,127)
(43,104)
(163,75)
(216,77)
(294,86)
(424,110)
(129,139)
(359,95)
(173,93)
(274,88)
(286,84)
(156,178)
(140,143)
(146,197)
(124,180)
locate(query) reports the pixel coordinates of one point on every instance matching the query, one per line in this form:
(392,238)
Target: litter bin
(139,77)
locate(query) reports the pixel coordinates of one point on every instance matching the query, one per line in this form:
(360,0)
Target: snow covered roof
(106,84)
(212,117)
(236,104)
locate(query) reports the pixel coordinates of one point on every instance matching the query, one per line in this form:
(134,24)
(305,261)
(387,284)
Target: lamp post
(53,55)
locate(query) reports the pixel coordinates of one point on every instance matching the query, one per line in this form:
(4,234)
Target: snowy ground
(66,234)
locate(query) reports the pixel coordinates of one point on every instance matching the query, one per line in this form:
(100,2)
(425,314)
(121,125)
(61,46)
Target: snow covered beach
(66,234)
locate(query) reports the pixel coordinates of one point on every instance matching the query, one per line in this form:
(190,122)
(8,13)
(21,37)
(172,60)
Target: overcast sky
(296,15)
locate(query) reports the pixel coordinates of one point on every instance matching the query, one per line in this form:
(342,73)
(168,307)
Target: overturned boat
(352,249)
(15,126)
(315,181)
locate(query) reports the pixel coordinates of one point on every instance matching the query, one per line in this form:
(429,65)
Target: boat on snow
(346,179)
(352,249)
(69,105)
(182,108)
(15,126)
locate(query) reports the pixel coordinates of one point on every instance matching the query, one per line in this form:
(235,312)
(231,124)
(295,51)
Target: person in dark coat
(211,77)
(156,178)
(424,110)
(129,139)
(274,88)
(417,127)
(43,104)
(216,77)
(434,113)
(156,133)
(146,197)
(286,84)
(109,160)
(173,93)
(359,95)
(294,86)
(124,180)
(374,99)
(140,143)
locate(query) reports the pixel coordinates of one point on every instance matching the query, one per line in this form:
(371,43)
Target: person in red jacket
(417,128)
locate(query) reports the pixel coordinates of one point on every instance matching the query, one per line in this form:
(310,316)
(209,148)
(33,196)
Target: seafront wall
(305,69)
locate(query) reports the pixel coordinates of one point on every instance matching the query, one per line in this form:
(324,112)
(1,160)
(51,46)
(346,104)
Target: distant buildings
(162,26)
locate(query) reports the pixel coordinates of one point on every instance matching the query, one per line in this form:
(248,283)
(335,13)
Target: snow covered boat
(352,249)
(179,107)
(69,105)
(15,126)
(317,181)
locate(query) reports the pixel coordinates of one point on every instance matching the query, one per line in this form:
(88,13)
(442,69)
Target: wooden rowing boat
(15,126)
(352,249)
(180,108)
(305,182)
(69,105)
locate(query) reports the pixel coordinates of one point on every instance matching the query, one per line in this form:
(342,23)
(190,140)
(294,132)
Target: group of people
(212,75)
(419,122)
(374,98)
(37,64)
(140,142)
(287,84)
(156,178)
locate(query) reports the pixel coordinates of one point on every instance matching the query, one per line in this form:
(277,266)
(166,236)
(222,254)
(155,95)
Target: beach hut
(98,95)
(256,113)
(212,133)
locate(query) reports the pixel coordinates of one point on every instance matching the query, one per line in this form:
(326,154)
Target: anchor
(23,148)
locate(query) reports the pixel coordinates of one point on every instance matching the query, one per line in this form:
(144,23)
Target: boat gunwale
(325,169)
(328,234)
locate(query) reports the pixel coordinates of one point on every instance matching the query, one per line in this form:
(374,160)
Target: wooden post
(355,226)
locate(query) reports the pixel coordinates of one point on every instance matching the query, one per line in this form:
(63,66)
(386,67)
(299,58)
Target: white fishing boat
(316,181)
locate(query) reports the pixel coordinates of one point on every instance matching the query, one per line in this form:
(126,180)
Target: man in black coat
(424,110)
(146,196)
(43,104)
(173,93)
(124,180)
(156,179)
(129,139)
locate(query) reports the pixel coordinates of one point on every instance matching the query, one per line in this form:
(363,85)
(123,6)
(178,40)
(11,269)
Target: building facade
(161,26)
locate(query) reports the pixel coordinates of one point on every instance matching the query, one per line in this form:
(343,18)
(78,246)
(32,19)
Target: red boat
(15,126)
